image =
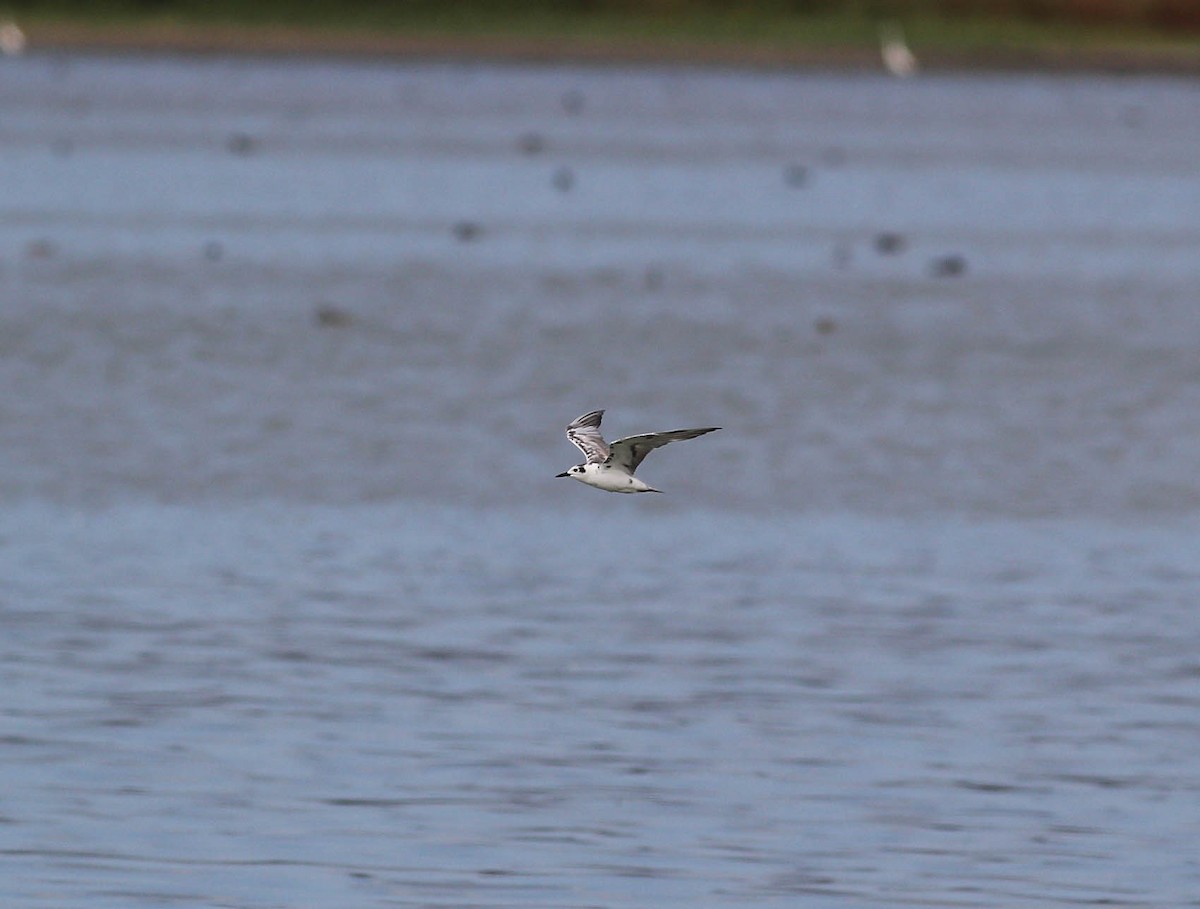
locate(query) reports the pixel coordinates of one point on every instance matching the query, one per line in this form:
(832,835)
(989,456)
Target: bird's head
(576,471)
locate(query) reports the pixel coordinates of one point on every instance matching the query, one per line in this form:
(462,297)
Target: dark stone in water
(330,316)
(950,266)
(531,143)
(466,231)
(795,175)
(564,179)
(241,144)
(42,248)
(889,243)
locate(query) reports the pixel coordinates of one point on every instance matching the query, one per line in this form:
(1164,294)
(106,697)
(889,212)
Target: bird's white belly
(613,480)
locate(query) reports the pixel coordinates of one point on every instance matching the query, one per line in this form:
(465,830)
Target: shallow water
(295,614)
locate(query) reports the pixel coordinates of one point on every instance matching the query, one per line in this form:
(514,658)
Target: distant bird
(898,59)
(611,467)
(12,39)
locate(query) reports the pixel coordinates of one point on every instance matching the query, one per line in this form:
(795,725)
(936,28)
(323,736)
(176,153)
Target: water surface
(295,614)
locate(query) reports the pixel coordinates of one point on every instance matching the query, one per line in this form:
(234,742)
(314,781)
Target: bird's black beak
(565,473)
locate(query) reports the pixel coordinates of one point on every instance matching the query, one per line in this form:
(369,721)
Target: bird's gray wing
(630,451)
(584,433)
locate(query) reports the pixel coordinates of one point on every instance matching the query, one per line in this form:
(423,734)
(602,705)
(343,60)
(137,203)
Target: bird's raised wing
(584,433)
(630,451)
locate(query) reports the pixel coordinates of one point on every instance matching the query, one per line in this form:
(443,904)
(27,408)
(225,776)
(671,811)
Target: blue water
(294,612)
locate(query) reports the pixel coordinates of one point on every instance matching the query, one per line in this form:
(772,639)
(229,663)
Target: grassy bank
(989,32)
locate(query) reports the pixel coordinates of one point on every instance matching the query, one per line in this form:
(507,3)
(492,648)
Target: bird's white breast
(611,479)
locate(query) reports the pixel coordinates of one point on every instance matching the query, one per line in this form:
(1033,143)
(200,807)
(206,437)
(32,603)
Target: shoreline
(288,41)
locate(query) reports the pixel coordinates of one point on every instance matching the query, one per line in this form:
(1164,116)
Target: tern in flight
(611,467)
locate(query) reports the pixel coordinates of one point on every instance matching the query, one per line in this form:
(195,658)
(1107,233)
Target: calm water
(294,613)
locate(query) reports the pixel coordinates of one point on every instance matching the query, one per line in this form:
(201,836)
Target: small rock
(241,144)
(889,243)
(564,179)
(948,266)
(531,144)
(795,175)
(330,316)
(466,231)
(825,325)
(41,248)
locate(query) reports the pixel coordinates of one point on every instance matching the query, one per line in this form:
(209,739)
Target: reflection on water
(294,612)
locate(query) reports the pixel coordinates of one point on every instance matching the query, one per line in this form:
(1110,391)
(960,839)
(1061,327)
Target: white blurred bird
(611,467)
(12,39)
(898,59)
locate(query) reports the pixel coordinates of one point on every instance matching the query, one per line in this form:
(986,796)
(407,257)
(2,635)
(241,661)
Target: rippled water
(295,614)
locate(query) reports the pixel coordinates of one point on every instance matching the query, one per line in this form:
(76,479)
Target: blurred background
(296,303)
(1050,32)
